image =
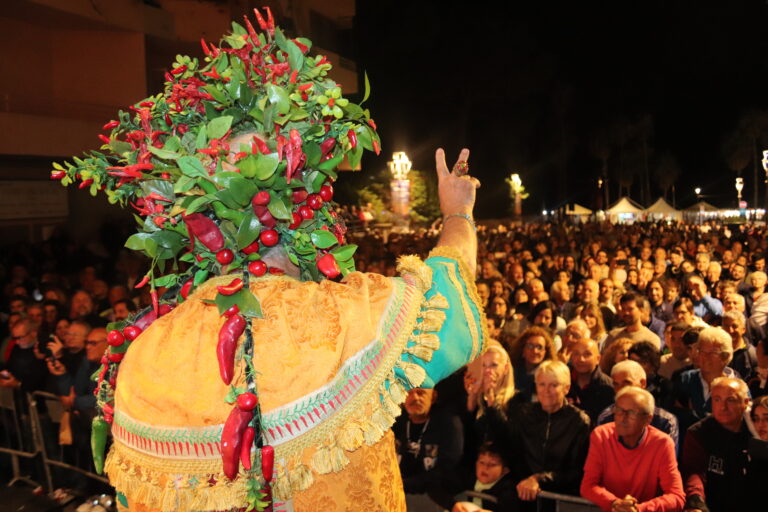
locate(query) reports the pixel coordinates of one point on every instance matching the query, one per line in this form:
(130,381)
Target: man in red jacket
(629,460)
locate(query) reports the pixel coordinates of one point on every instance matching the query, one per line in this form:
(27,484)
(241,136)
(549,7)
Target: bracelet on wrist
(464,216)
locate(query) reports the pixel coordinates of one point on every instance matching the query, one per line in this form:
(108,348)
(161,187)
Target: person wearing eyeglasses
(715,457)
(25,369)
(631,465)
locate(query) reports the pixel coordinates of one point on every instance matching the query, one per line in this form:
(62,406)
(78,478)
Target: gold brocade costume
(334,361)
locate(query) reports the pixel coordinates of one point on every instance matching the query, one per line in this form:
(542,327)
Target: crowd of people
(629,363)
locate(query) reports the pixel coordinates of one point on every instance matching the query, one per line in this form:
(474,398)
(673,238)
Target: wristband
(464,216)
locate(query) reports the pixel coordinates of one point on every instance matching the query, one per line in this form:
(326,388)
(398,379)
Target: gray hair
(717,336)
(736,316)
(647,403)
(631,368)
(742,389)
(557,369)
(581,327)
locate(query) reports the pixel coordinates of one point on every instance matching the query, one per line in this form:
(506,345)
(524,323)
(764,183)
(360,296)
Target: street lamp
(517,191)
(698,192)
(739,188)
(400,186)
(701,206)
(765,168)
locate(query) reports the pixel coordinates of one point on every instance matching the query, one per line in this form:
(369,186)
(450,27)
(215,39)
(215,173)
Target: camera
(43,349)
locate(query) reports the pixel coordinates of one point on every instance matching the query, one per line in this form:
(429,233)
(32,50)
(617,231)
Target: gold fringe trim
(437,301)
(301,477)
(431,320)
(427,339)
(413,266)
(423,353)
(414,373)
(397,392)
(133,474)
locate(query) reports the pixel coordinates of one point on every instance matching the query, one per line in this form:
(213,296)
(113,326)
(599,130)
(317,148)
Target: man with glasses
(715,460)
(629,461)
(25,368)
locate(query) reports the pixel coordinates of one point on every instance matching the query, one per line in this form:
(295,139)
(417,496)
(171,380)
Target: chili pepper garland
(209,200)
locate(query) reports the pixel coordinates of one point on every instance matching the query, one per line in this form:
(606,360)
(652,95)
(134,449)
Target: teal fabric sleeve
(462,333)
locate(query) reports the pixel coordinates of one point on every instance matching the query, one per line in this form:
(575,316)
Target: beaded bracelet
(464,216)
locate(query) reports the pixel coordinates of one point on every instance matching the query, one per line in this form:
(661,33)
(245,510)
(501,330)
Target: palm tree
(666,173)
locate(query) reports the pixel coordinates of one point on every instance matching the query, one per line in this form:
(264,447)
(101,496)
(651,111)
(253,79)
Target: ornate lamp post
(701,206)
(739,188)
(765,168)
(400,186)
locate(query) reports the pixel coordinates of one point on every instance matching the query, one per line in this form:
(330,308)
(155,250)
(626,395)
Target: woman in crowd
(533,347)
(660,308)
(617,351)
(544,315)
(593,317)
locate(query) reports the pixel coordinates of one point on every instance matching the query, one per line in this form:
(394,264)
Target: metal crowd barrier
(566,502)
(29,425)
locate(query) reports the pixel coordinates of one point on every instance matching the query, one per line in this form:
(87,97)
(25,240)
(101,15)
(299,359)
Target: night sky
(543,88)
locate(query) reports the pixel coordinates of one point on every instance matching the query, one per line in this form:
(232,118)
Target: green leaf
(279,208)
(364,137)
(354,156)
(260,167)
(248,230)
(218,127)
(168,239)
(150,247)
(163,153)
(224,179)
(136,241)
(183,184)
(120,147)
(247,303)
(313,152)
(331,164)
(344,252)
(242,190)
(200,277)
(295,57)
(217,94)
(279,98)
(192,167)
(228,198)
(172,144)
(202,140)
(163,188)
(367,86)
(198,203)
(323,239)
(167,280)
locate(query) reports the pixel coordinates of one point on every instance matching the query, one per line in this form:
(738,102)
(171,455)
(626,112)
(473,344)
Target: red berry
(261,198)
(269,237)
(185,288)
(296,220)
(329,266)
(299,196)
(116,358)
(164,309)
(252,247)
(131,332)
(257,268)
(115,338)
(247,401)
(326,192)
(225,256)
(315,201)
(306,212)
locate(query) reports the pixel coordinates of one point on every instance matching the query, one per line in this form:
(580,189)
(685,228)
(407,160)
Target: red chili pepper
(229,333)
(154,196)
(147,104)
(86,183)
(206,50)
(233,310)
(261,145)
(205,230)
(240,155)
(251,30)
(245,450)
(352,136)
(372,124)
(376,147)
(209,152)
(267,462)
(327,146)
(304,48)
(231,440)
(179,70)
(111,125)
(155,302)
(281,142)
(292,79)
(233,287)
(143,282)
(260,19)
(293,155)
(305,87)
(328,266)
(270,21)
(186,288)
(58,175)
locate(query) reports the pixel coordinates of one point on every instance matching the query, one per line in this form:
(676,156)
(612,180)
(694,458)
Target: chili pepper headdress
(207,197)
(236,155)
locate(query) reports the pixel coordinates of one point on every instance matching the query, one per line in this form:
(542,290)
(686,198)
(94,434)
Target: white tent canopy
(702,206)
(625,206)
(662,208)
(577,209)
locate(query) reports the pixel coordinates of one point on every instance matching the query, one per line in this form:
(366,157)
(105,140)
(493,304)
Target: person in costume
(268,372)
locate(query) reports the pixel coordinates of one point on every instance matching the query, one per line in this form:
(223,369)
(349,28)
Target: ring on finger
(461,168)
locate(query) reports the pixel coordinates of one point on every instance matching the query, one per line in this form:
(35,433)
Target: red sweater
(612,471)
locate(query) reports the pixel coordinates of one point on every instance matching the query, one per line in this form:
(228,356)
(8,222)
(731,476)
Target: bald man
(591,389)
